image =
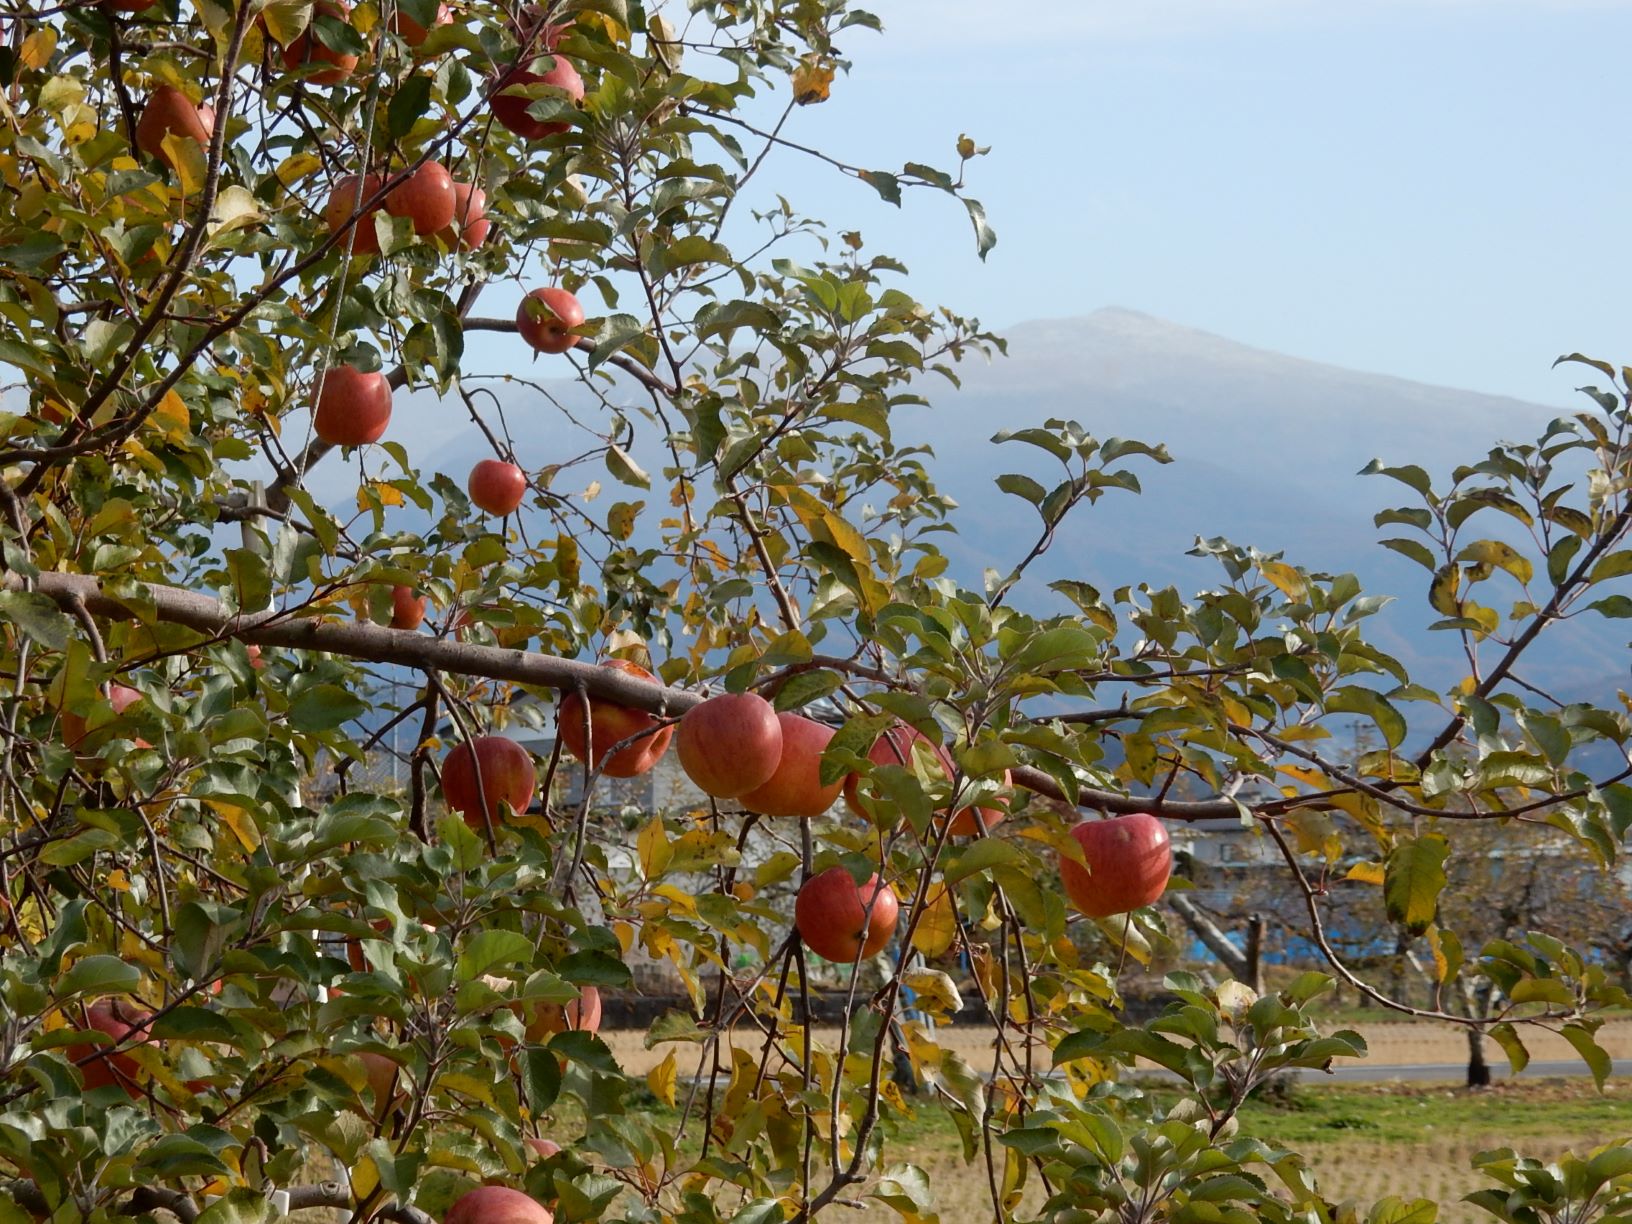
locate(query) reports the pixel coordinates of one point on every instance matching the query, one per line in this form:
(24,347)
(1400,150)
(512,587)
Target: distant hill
(1266,452)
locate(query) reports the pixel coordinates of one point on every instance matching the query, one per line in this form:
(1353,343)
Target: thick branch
(1212,935)
(377,644)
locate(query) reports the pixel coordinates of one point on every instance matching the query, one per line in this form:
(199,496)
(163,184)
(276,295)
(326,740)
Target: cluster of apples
(351,406)
(737,746)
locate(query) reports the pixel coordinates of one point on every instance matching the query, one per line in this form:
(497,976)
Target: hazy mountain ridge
(1266,451)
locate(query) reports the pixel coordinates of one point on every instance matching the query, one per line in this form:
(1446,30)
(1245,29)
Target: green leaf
(37,616)
(251,579)
(94,976)
(1022,486)
(1506,1036)
(410,102)
(1379,709)
(1408,474)
(618,332)
(487,950)
(725,318)
(626,469)
(586,1049)
(983,855)
(806,687)
(1582,1037)
(1414,549)
(1615,565)
(1414,878)
(595,969)
(985,235)
(324,707)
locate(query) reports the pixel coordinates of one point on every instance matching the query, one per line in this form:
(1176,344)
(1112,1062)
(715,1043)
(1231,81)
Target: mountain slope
(1266,449)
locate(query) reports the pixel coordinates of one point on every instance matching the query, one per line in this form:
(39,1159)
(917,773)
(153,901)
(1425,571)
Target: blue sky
(1436,189)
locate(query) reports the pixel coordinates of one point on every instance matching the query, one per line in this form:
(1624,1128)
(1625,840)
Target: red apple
(355,957)
(796,789)
(411,32)
(610,724)
(349,193)
(120,1020)
(1129,860)
(169,112)
(352,407)
(383,1081)
(833,920)
(426,197)
(730,744)
(894,747)
(470,224)
(407,608)
(510,109)
(497,1205)
(496,486)
(546,318)
(582,1014)
(254,653)
(544,1147)
(508,776)
(307,49)
(120,696)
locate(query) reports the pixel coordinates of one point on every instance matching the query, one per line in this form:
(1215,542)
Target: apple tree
(246,972)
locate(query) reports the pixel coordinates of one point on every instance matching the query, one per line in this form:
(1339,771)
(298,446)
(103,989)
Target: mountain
(1266,451)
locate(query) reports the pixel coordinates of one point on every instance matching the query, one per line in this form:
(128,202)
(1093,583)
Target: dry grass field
(1363,1142)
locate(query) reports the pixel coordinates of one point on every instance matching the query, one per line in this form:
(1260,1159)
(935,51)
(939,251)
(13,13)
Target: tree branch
(377,644)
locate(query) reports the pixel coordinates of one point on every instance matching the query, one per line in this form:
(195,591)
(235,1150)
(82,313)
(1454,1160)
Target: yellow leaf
(661,1079)
(620,520)
(172,418)
(378,492)
(939,926)
(616,31)
(187,156)
(38,47)
(234,208)
(655,849)
(1286,579)
(296,167)
(627,644)
(812,82)
(286,20)
(477,1088)
(1442,591)
(1366,873)
(241,823)
(1311,778)
(933,991)
(625,931)
(365,1178)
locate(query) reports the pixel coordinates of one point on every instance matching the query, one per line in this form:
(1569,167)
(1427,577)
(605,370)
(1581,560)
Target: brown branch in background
(377,644)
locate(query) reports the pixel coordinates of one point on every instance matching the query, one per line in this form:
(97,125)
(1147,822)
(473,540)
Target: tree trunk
(1478,1068)
(1255,953)
(1236,963)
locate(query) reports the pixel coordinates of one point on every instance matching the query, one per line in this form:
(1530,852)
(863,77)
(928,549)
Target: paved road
(1457,1072)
